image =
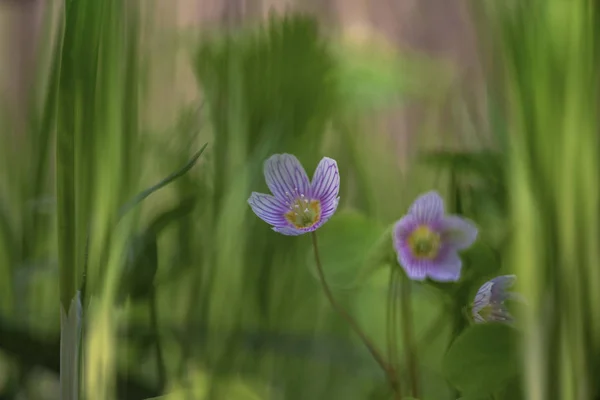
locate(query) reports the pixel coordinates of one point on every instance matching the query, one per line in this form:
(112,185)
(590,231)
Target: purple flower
(297,205)
(427,241)
(489,304)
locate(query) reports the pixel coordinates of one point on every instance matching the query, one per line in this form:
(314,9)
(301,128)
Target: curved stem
(391,375)
(407,335)
(175,175)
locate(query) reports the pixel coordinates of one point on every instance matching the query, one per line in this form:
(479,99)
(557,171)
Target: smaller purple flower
(427,241)
(297,205)
(489,304)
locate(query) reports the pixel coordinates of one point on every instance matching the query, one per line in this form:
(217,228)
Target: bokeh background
(188,295)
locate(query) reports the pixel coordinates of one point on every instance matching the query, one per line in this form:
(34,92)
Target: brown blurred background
(440,29)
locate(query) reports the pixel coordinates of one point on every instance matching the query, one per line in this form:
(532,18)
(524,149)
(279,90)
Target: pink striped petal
(286,177)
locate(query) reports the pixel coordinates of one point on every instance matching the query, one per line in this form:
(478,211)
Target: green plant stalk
(392,323)
(65,204)
(410,347)
(66,234)
(456,305)
(71,323)
(99,45)
(458,318)
(387,369)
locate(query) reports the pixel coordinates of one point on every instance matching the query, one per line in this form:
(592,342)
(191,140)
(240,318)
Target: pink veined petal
(482,298)
(458,232)
(289,231)
(446,269)
(325,184)
(415,269)
(491,296)
(286,177)
(403,228)
(327,212)
(502,283)
(268,208)
(428,207)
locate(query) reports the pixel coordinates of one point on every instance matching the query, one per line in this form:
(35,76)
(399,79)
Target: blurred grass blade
(70,339)
(550,52)
(96,166)
(66,227)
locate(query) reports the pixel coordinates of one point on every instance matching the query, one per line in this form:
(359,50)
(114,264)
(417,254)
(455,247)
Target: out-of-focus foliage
(549,80)
(189,293)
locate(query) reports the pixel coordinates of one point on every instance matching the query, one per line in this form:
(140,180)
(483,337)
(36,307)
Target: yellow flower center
(304,213)
(424,242)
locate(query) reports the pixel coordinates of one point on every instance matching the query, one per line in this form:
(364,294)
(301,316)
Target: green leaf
(483,359)
(169,179)
(345,245)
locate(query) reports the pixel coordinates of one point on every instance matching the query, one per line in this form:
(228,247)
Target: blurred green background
(186,294)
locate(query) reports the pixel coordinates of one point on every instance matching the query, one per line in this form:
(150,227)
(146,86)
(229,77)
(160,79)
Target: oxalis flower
(427,241)
(297,205)
(489,304)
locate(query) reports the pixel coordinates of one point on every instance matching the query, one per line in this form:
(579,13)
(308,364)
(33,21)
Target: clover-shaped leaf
(482,360)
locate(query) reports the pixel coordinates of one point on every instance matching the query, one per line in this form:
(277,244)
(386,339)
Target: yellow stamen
(424,243)
(304,213)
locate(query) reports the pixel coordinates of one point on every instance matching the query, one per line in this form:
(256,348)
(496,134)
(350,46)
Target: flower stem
(389,371)
(459,323)
(407,336)
(392,322)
